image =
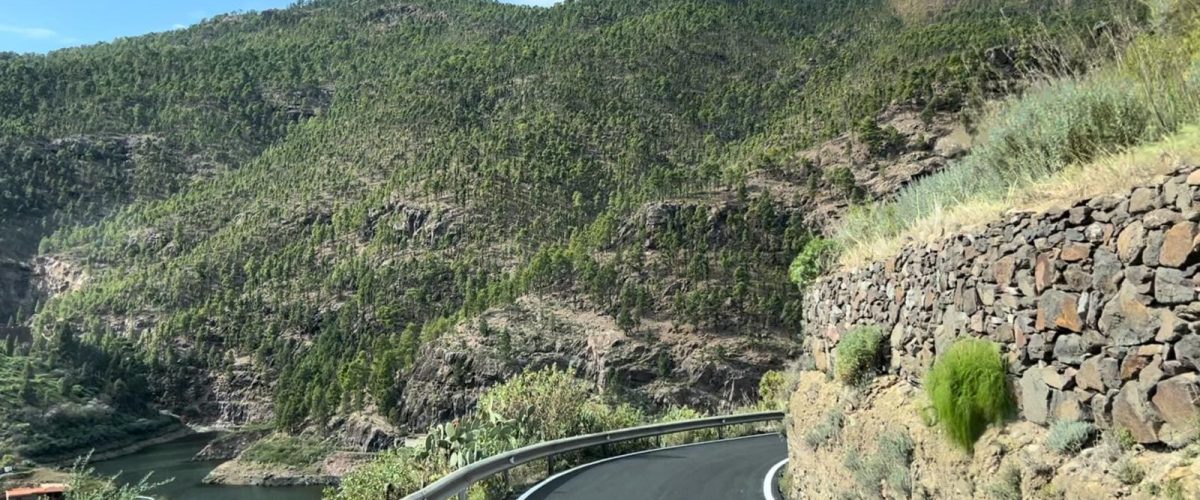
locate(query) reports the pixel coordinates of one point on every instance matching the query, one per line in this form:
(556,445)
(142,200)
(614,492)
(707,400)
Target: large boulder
(1143,200)
(1106,272)
(1179,243)
(1089,376)
(1188,350)
(1075,252)
(1130,242)
(1132,411)
(1070,349)
(1003,269)
(1059,310)
(1173,286)
(1035,396)
(1176,400)
(1127,321)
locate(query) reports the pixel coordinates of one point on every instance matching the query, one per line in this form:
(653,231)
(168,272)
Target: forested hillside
(317,197)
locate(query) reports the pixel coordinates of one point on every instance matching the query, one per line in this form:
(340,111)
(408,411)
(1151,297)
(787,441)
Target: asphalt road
(720,470)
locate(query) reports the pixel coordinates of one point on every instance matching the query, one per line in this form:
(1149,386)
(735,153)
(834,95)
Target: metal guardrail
(457,482)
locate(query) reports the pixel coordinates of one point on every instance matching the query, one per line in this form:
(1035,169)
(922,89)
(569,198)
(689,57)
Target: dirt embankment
(841,445)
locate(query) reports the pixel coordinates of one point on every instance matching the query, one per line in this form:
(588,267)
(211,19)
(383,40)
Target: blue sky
(45,25)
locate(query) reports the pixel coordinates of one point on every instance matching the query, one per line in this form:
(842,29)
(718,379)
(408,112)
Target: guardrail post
(720,433)
(389,492)
(462,495)
(550,466)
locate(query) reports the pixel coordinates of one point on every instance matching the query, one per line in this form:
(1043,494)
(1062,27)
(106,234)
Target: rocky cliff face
(229,446)
(823,182)
(238,396)
(16,291)
(658,364)
(361,432)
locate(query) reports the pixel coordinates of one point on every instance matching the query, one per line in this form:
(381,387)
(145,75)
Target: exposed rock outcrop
(365,433)
(235,397)
(660,364)
(56,275)
(837,172)
(228,446)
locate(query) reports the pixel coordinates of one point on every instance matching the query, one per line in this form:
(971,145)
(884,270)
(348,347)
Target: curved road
(718,470)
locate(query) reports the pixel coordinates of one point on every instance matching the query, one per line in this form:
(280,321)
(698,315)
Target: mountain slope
(292,214)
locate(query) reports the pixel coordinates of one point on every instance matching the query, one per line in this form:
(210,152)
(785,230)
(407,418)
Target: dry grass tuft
(1110,174)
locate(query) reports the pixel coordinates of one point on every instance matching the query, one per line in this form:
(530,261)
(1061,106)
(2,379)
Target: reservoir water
(174,459)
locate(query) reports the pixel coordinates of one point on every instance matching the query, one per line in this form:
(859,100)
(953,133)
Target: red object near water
(45,491)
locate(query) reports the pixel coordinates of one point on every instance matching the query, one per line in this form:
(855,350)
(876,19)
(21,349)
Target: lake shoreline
(174,460)
(173,433)
(242,473)
(181,432)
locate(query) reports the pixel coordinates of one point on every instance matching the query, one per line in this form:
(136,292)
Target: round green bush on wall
(860,355)
(969,390)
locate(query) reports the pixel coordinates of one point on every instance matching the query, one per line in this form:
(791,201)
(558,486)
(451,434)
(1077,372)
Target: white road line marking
(768,491)
(530,491)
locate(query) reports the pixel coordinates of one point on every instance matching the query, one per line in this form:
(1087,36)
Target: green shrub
(287,450)
(825,431)
(842,179)
(1173,490)
(1007,486)
(547,403)
(1125,439)
(536,405)
(880,141)
(969,390)
(600,416)
(678,413)
(860,355)
(1070,121)
(1068,438)
(84,484)
(888,465)
(772,390)
(398,467)
(1129,472)
(812,261)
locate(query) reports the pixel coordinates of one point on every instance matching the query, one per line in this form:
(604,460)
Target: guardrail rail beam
(457,483)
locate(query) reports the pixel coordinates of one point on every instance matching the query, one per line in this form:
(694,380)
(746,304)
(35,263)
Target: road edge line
(768,491)
(530,491)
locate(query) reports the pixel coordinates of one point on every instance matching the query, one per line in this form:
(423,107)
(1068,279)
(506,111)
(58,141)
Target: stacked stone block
(1095,306)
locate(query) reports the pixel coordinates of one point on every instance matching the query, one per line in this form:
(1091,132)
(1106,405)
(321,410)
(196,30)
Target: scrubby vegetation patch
(888,467)
(861,354)
(969,390)
(1068,438)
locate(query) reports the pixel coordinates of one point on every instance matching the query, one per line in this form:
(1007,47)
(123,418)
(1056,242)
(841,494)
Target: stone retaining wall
(1095,306)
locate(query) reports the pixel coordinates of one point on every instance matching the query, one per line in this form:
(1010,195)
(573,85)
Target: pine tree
(505,345)
(624,321)
(28,392)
